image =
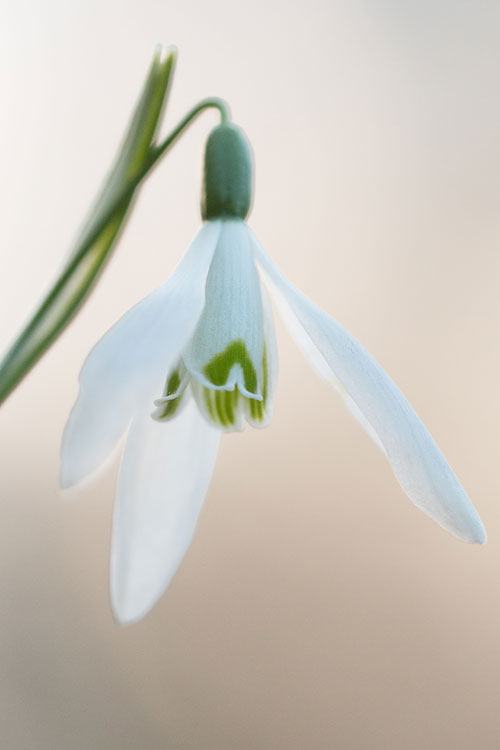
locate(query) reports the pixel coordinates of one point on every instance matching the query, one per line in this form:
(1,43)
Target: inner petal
(228,409)
(226,350)
(232,367)
(222,408)
(173,393)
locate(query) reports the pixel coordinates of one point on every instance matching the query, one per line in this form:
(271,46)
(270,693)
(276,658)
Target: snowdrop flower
(196,358)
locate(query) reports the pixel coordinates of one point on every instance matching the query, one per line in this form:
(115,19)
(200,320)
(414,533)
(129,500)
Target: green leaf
(98,235)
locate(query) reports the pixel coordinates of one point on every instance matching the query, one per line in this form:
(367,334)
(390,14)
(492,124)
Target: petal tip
(474,534)
(127,611)
(70,479)
(478,533)
(124,619)
(67,478)
(481,536)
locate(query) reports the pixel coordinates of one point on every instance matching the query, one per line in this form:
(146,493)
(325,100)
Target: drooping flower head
(196,358)
(228,358)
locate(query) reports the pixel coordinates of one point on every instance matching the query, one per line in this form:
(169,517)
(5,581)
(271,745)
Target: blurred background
(316,608)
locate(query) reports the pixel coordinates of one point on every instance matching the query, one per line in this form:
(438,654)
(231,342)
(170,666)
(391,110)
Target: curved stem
(106,223)
(212,103)
(124,195)
(154,155)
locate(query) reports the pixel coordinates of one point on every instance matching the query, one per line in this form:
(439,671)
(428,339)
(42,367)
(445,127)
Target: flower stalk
(97,239)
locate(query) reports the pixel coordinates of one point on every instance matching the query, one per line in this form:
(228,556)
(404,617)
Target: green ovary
(222,406)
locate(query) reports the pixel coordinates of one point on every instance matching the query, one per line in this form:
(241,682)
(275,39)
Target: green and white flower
(196,358)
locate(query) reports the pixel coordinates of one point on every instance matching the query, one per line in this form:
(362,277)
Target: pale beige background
(317,608)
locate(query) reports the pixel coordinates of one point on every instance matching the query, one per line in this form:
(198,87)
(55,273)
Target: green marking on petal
(224,407)
(219,367)
(257,409)
(173,383)
(253,410)
(220,408)
(207,395)
(265,376)
(231,398)
(169,408)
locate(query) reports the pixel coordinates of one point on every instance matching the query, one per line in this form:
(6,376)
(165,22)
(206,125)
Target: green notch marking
(235,353)
(222,405)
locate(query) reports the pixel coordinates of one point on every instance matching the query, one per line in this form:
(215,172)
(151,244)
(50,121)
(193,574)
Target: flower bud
(227,180)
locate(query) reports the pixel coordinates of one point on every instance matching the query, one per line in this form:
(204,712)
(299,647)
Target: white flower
(198,357)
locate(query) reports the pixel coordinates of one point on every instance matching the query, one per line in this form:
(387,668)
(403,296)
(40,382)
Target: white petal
(164,476)
(417,462)
(270,377)
(358,415)
(318,362)
(232,315)
(128,366)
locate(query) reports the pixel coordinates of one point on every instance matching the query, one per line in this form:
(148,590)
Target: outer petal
(128,366)
(164,476)
(318,362)
(419,466)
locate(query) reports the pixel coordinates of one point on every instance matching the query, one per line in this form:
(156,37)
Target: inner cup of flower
(229,391)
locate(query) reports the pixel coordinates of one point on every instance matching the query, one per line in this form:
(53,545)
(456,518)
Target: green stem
(154,155)
(212,103)
(8,381)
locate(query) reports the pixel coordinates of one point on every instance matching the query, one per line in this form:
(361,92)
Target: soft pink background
(317,608)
